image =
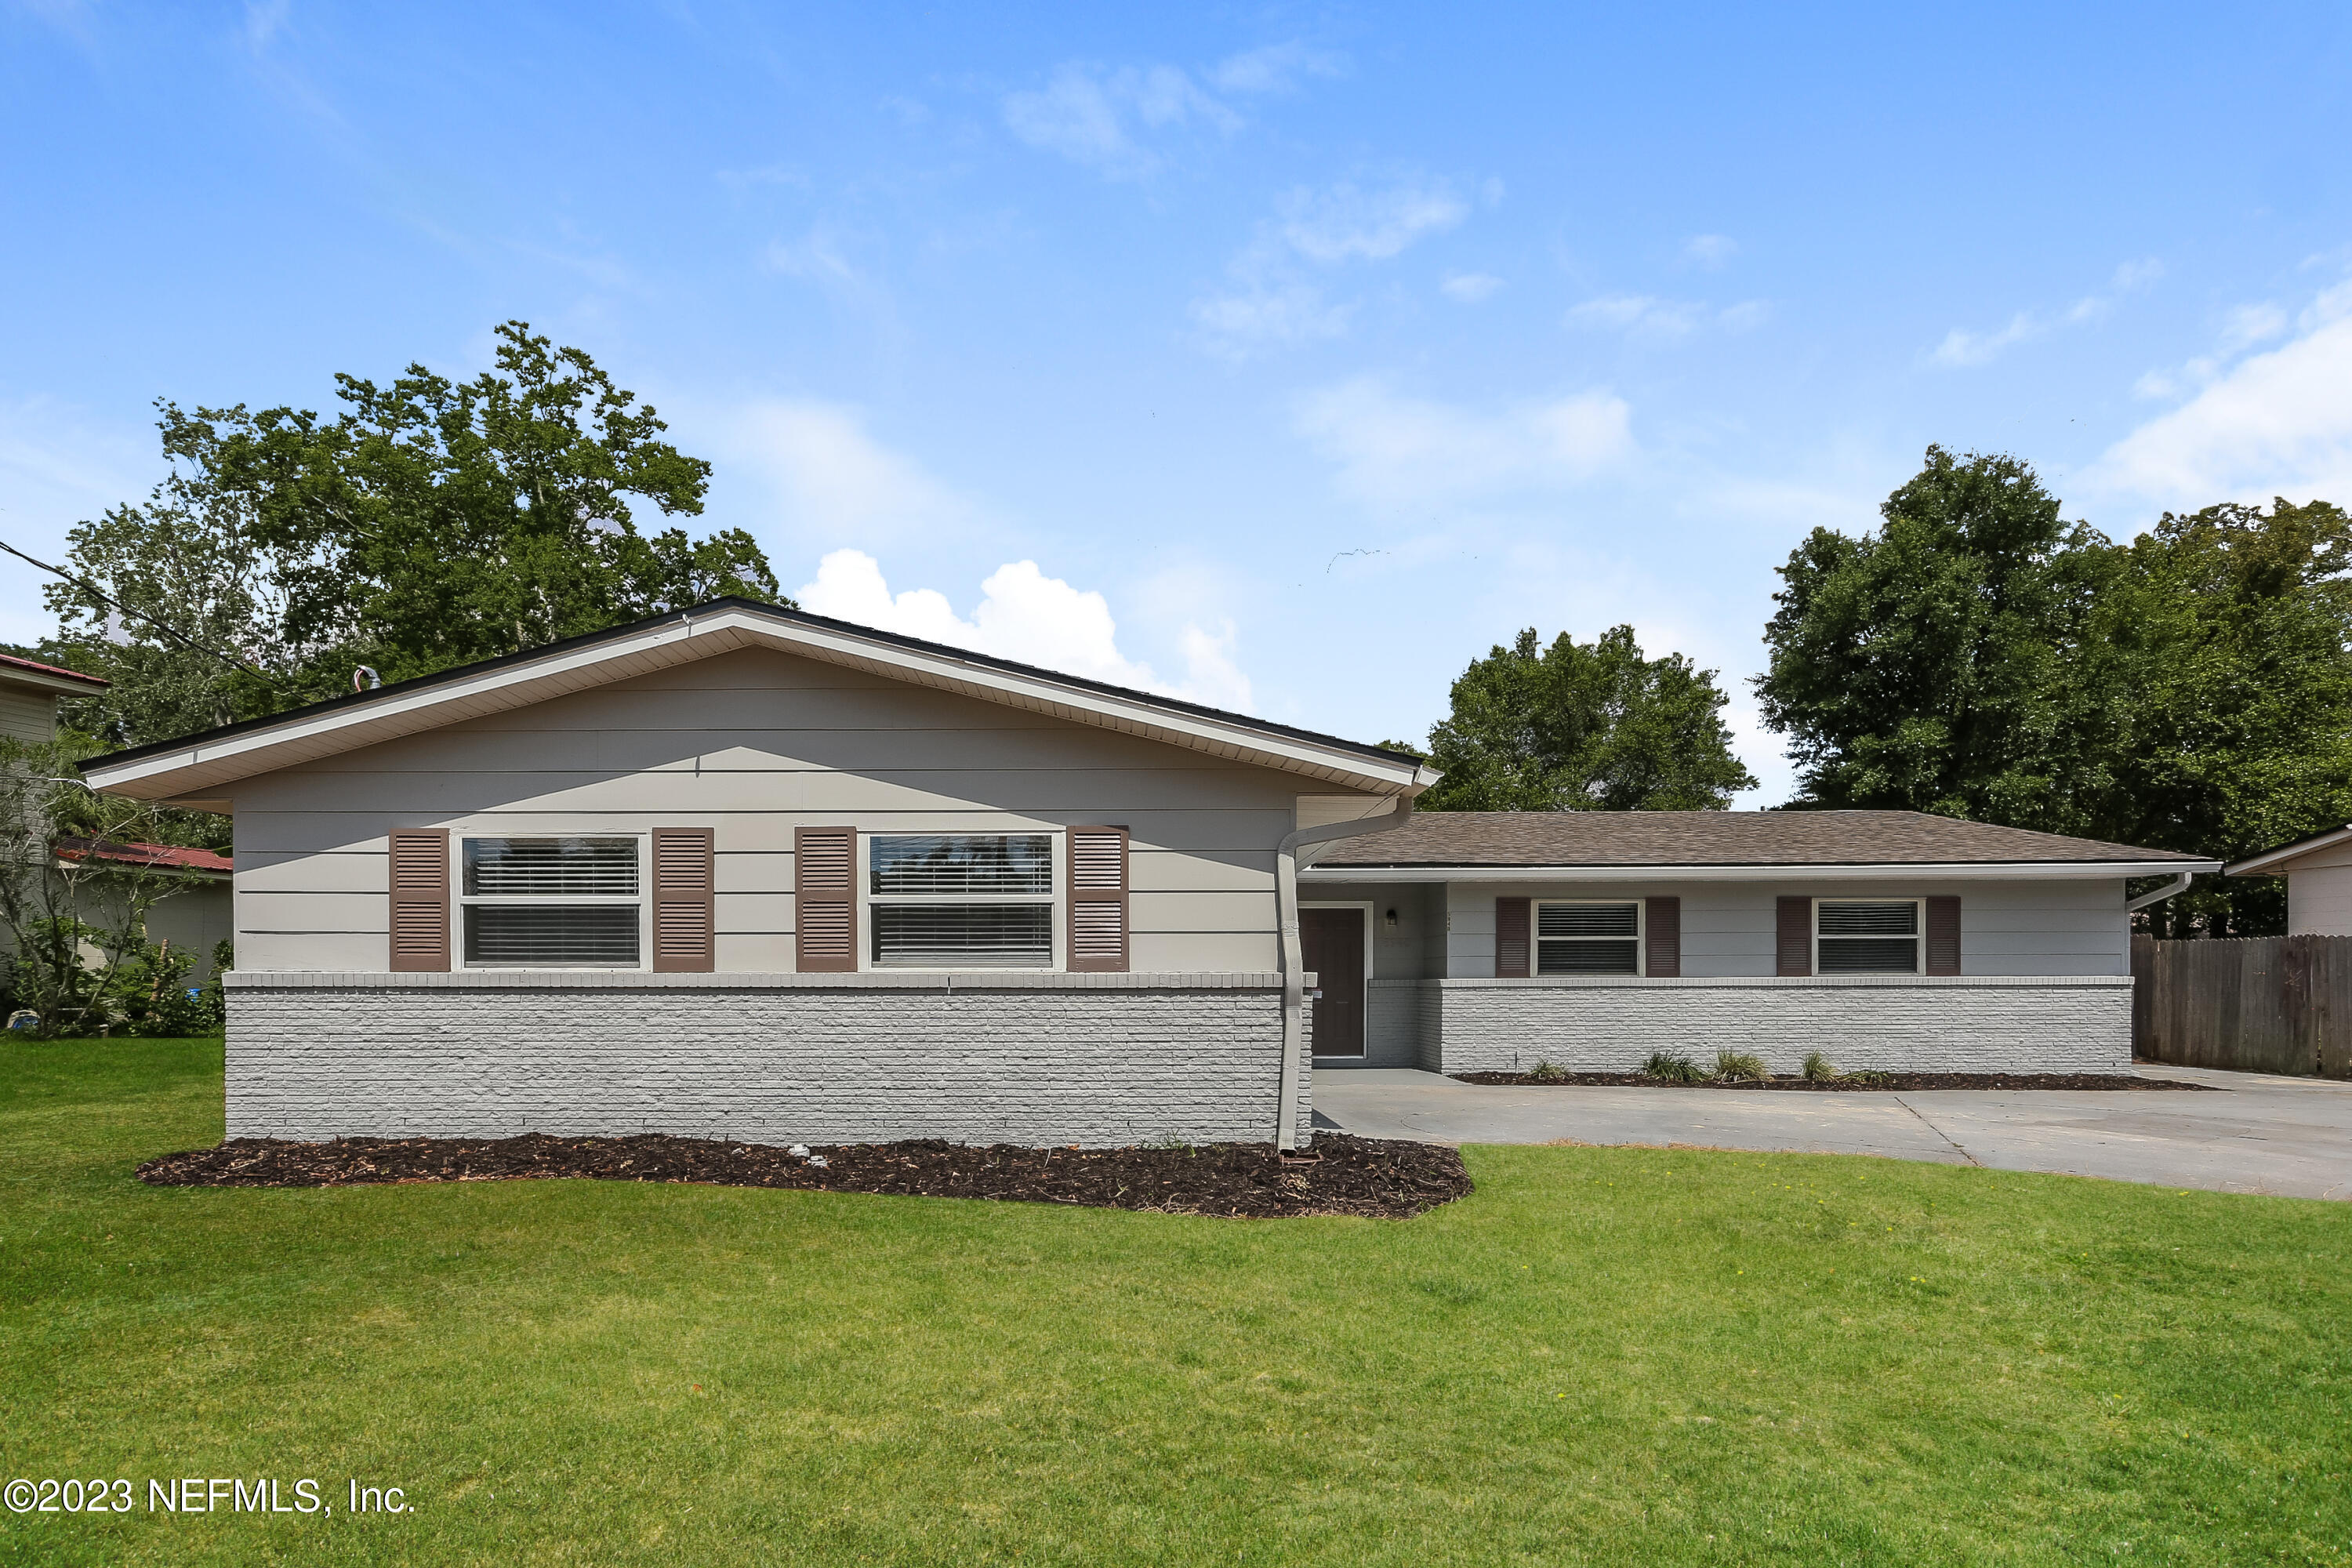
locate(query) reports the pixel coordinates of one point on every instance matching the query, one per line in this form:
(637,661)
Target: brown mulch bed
(1881,1083)
(1370,1177)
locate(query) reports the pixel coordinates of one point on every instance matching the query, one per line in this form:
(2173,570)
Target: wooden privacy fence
(2264,1003)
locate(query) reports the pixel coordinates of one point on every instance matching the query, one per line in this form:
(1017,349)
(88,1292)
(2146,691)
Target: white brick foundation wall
(1095,1059)
(1973,1024)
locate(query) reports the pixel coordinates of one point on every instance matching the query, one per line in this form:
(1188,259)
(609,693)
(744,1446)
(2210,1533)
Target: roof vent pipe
(365,679)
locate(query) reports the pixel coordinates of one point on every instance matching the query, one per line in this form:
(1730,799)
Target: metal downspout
(1287,863)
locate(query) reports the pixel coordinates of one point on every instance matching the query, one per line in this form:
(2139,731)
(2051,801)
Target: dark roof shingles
(1717,838)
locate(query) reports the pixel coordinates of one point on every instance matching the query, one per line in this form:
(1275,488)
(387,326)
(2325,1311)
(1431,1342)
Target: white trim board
(2267,862)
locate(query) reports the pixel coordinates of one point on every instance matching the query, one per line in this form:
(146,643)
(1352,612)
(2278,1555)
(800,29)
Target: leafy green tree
(2236,625)
(1947,663)
(432,522)
(1583,727)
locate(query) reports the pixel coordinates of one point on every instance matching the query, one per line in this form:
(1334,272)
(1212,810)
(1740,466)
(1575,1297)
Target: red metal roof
(10,659)
(161,857)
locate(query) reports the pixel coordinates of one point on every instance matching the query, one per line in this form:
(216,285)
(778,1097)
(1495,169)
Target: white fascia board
(2271,861)
(58,685)
(2014,870)
(196,771)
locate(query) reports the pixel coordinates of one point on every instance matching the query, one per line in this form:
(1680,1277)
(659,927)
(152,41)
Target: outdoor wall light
(1390,919)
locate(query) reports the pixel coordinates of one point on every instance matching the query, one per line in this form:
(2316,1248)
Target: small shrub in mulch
(1844,1083)
(1372,1177)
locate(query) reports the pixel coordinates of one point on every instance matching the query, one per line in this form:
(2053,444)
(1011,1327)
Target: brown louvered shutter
(420,899)
(1662,932)
(826,896)
(1099,903)
(683,901)
(1944,935)
(1511,954)
(1794,945)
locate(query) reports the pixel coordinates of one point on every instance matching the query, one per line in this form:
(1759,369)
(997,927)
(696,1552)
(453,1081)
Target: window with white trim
(552,902)
(1589,936)
(960,901)
(1866,936)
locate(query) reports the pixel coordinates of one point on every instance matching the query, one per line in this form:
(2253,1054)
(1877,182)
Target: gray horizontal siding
(754,745)
(2021,927)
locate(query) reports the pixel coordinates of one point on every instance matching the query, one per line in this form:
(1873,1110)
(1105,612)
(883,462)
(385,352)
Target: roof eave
(2270,861)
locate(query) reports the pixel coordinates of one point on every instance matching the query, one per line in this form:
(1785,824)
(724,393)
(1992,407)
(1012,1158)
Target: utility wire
(175,633)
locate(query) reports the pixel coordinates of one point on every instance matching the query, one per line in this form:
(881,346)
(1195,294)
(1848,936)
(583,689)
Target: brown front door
(1334,941)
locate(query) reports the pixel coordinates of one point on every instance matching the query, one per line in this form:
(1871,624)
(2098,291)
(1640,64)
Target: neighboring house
(747,872)
(1882,939)
(2318,872)
(192,919)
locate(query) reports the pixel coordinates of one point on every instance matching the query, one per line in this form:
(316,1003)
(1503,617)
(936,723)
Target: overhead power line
(175,633)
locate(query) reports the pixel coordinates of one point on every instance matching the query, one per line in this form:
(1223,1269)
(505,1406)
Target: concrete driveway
(2290,1136)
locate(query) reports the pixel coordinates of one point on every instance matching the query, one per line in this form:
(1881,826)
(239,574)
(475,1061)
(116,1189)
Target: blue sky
(1285,357)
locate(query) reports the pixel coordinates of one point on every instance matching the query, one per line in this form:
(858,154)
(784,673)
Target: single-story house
(2318,872)
(742,872)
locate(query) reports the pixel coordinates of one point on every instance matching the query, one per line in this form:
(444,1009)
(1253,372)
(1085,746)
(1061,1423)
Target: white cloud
(1962,348)
(1030,617)
(1636,313)
(1647,316)
(1392,450)
(1345,222)
(1710,249)
(2277,423)
(1093,116)
(1273,299)
(1276,68)
(1261,315)
(1470,288)
(834,480)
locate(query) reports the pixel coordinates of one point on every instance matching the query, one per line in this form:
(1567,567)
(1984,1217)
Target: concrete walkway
(2290,1136)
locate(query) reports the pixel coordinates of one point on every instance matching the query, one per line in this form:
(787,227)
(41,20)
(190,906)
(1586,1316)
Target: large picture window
(551,904)
(962,900)
(1589,938)
(1874,936)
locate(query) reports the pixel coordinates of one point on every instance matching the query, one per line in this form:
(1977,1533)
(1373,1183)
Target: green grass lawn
(1610,1356)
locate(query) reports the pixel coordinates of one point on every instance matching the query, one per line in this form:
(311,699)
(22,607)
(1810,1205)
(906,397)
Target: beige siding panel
(194,920)
(756,912)
(359,871)
(1167,953)
(768,871)
(758,952)
(1198,832)
(2319,898)
(30,716)
(761,749)
(1041,793)
(1203,911)
(333,950)
(313,912)
(1322,810)
(1231,872)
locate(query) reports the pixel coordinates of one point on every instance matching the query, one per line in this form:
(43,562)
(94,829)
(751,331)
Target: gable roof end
(2273,862)
(188,769)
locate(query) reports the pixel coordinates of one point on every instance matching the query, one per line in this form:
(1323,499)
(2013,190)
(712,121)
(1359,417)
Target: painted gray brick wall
(1392,1023)
(775,1059)
(2026,1024)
